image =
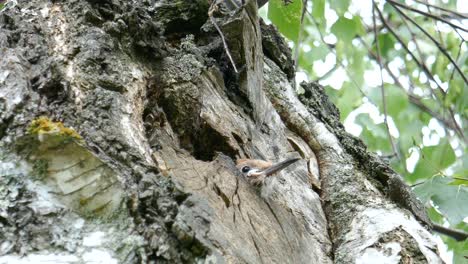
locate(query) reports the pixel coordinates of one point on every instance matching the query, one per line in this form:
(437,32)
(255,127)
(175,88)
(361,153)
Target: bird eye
(245,169)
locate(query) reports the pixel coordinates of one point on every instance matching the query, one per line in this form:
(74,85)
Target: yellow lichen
(44,125)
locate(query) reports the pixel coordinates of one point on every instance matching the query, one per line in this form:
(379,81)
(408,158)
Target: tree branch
(328,73)
(415,100)
(393,3)
(460,15)
(439,46)
(214,8)
(420,64)
(456,59)
(453,233)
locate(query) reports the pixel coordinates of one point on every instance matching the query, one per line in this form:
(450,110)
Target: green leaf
(318,9)
(317,53)
(441,155)
(460,250)
(360,29)
(386,44)
(455,95)
(374,135)
(347,98)
(451,200)
(410,134)
(453,205)
(345,29)
(340,6)
(286,17)
(409,123)
(395,98)
(398,166)
(433,160)
(357,64)
(390,10)
(460,170)
(423,170)
(440,65)
(435,216)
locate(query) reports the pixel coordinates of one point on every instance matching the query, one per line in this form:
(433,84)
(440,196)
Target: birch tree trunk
(120,124)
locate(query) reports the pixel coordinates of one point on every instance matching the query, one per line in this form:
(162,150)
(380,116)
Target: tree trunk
(120,125)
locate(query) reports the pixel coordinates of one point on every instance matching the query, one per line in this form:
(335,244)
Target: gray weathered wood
(163,117)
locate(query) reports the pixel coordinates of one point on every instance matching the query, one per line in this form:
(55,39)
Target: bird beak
(279,166)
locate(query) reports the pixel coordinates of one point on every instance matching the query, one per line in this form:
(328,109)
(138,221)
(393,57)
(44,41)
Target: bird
(256,171)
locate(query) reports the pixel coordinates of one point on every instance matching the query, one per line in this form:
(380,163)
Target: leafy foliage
(420,61)
(286,16)
(449,198)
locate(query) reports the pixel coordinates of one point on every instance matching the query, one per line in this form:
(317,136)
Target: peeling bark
(163,117)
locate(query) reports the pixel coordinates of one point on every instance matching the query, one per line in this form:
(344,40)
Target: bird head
(255,171)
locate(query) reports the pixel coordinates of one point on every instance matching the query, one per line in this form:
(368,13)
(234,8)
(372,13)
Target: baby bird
(256,171)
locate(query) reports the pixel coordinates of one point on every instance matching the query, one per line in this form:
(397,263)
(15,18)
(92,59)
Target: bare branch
(425,69)
(439,46)
(458,14)
(328,73)
(453,233)
(393,3)
(420,64)
(421,56)
(415,100)
(436,25)
(212,9)
(456,59)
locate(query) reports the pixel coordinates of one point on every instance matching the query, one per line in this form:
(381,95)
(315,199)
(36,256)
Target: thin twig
(418,49)
(443,9)
(328,73)
(461,179)
(212,9)
(403,44)
(442,41)
(421,56)
(456,59)
(439,46)
(415,100)
(444,51)
(435,24)
(393,3)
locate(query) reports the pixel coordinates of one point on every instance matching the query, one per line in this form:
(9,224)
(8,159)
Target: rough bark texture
(161,118)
